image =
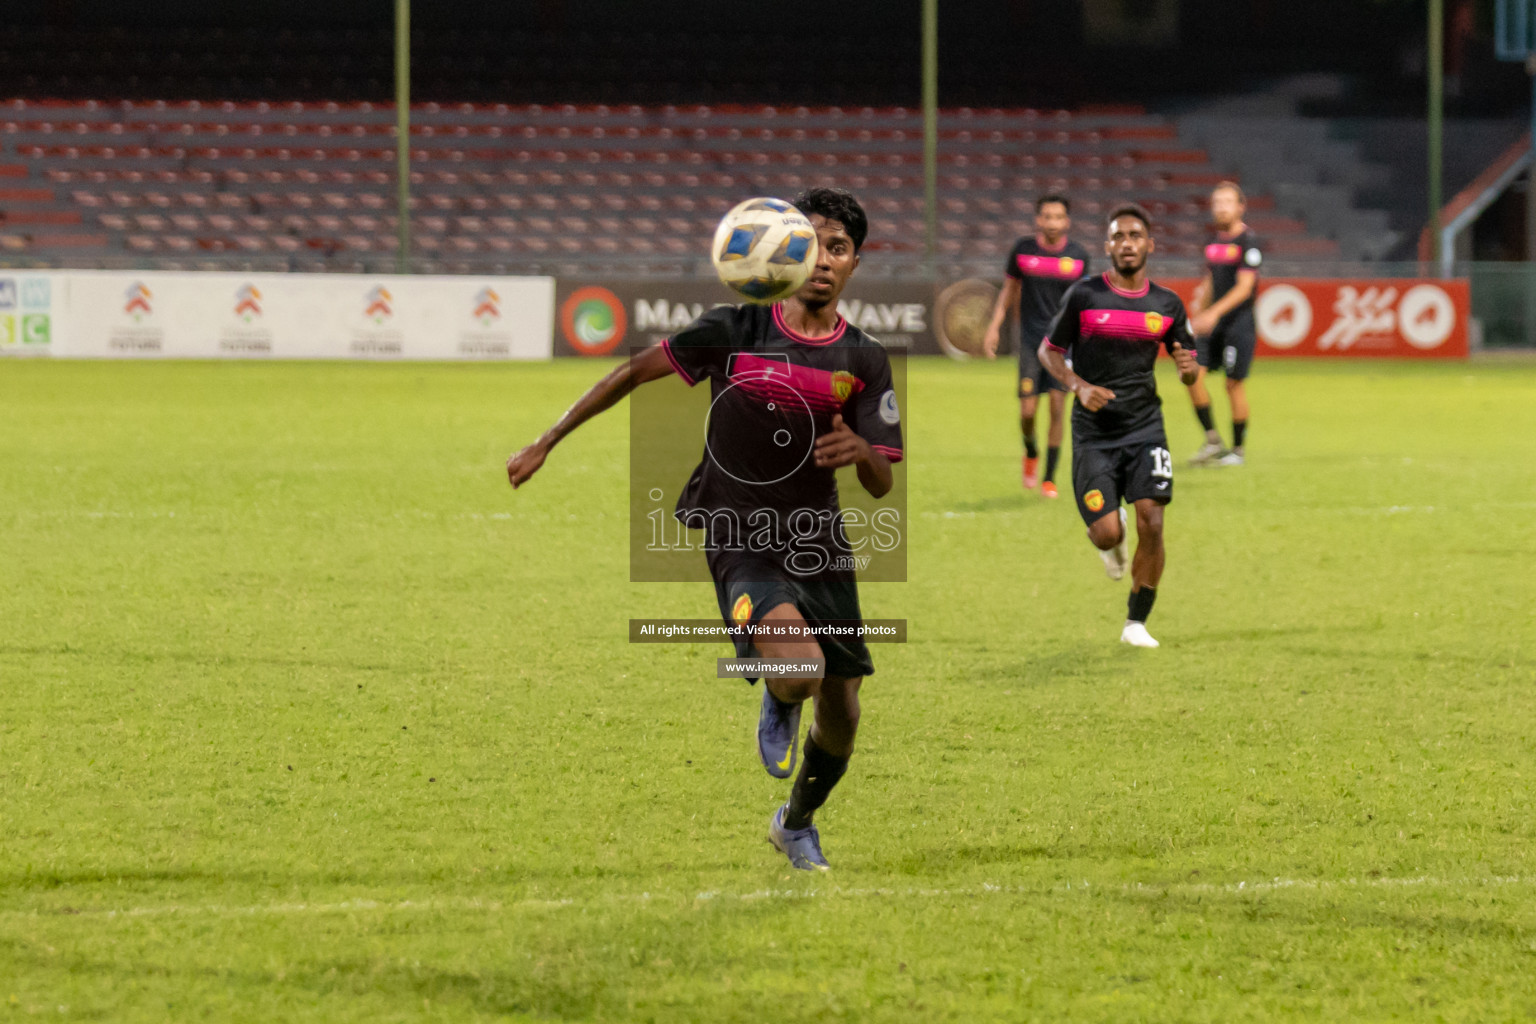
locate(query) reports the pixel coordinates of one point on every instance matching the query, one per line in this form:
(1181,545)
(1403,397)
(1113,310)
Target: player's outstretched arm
(1092,397)
(842,447)
(651,364)
(1007,299)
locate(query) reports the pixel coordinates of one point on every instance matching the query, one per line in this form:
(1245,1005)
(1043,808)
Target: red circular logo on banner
(593,321)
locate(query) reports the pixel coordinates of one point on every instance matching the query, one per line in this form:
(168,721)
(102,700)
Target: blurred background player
(1221,314)
(753,355)
(1111,327)
(1038,274)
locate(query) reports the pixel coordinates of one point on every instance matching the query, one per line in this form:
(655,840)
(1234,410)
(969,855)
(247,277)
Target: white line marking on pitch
(984,890)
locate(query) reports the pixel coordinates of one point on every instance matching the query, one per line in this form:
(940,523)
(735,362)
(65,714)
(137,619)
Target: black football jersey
(1044,275)
(1112,337)
(1225,256)
(773,392)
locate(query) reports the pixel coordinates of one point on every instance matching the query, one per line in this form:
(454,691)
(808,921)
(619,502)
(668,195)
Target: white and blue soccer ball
(764,250)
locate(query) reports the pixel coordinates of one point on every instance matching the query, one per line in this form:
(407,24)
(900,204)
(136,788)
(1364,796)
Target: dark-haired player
(1038,273)
(1221,315)
(769,368)
(1112,326)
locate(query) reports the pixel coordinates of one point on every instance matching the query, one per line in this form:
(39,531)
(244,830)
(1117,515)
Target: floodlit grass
(306,716)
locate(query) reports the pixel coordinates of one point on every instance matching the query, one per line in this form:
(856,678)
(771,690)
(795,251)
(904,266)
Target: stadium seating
(492,184)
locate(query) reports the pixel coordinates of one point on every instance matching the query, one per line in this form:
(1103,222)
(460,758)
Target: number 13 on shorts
(1162,464)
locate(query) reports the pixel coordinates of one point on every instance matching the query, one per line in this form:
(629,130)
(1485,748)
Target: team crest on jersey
(741,612)
(842,385)
(1094,500)
(1155,323)
(1066,265)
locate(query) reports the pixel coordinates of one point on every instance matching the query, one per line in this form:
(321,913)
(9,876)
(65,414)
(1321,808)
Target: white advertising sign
(113,315)
(29,313)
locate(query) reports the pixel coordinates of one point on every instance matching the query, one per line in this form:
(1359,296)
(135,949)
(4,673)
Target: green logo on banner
(35,329)
(7,330)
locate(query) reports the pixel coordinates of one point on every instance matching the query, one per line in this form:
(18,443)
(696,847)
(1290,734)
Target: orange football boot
(1031,472)
(1048,489)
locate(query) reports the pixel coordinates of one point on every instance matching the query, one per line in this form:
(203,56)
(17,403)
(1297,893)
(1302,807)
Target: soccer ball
(764,250)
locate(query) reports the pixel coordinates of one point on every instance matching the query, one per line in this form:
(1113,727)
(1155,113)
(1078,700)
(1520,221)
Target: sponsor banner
(610,318)
(299,316)
(28,314)
(1394,317)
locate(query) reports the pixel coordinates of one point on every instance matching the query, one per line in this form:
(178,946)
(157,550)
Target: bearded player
(1222,319)
(769,368)
(1111,327)
(1038,273)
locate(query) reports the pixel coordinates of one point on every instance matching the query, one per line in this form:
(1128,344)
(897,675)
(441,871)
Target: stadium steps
(502,182)
(1316,177)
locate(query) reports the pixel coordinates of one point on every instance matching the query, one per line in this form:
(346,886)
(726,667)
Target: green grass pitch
(306,716)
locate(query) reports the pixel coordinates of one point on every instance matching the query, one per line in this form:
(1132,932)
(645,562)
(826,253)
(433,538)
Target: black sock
(1140,604)
(819,772)
(1030,448)
(1239,430)
(1203,414)
(1052,456)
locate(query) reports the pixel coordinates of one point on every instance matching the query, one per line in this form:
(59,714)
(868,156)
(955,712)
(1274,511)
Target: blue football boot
(802,847)
(778,734)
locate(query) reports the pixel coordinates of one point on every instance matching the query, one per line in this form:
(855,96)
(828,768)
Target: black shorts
(1104,477)
(1230,346)
(749,587)
(1035,379)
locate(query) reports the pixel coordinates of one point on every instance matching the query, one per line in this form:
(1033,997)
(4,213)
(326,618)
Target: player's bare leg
(1058,400)
(1146,571)
(1200,397)
(1237,395)
(828,746)
(827,750)
(1027,408)
(1108,534)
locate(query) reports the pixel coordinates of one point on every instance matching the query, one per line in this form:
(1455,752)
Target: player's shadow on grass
(210,658)
(1299,909)
(48,881)
(569,967)
(993,503)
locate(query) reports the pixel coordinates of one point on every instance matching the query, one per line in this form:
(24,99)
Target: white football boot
(1208,454)
(1135,634)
